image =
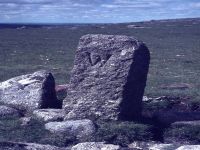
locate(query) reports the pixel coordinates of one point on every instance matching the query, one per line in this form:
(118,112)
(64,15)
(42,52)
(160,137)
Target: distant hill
(29,25)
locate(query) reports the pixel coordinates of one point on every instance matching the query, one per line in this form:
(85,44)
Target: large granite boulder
(108,78)
(29,92)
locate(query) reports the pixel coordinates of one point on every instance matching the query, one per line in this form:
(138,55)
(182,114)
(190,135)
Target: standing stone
(29,92)
(108,78)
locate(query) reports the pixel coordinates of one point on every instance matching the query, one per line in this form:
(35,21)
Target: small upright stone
(29,92)
(108,78)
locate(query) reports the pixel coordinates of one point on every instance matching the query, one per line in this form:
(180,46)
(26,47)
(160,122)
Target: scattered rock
(163,147)
(189,147)
(29,92)
(6,111)
(25,121)
(108,78)
(187,123)
(146,99)
(27,146)
(75,128)
(133,26)
(95,146)
(49,114)
(151,146)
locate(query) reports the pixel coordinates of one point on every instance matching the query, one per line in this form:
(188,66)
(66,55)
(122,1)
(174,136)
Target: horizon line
(60,23)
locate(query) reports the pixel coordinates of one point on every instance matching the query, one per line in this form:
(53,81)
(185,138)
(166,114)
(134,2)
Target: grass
(183,134)
(12,130)
(175,53)
(174,46)
(123,133)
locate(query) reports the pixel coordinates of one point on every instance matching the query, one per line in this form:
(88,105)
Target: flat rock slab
(27,146)
(108,78)
(6,111)
(95,146)
(48,115)
(75,128)
(29,92)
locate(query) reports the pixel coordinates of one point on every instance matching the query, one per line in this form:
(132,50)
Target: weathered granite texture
(28,146)
(74,128)
(29,92)
(48,115)
(95,146)
(108,78)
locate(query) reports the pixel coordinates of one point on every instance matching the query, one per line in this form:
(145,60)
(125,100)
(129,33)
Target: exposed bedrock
(108,78)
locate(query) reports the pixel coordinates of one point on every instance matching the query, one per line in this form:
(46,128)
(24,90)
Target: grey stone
(139,145)
(189,147)
(108,78)
(187,123)
(25,121)
(95,146)
(163,147)
(6,111)
(75,128)
(47,115)
(29,92)
(27,146)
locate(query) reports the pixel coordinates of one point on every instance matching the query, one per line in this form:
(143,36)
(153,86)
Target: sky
(95,11)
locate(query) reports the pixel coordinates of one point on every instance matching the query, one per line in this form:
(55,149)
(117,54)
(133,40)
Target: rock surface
(189,147)
(151,146)
(95,146)
(25,121)
(29,92)
(75,128)
(47,115)
(27,146)
(6,111)
(108,78)
(162,147)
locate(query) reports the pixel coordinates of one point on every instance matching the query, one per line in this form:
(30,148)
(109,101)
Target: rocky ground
(104,107)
